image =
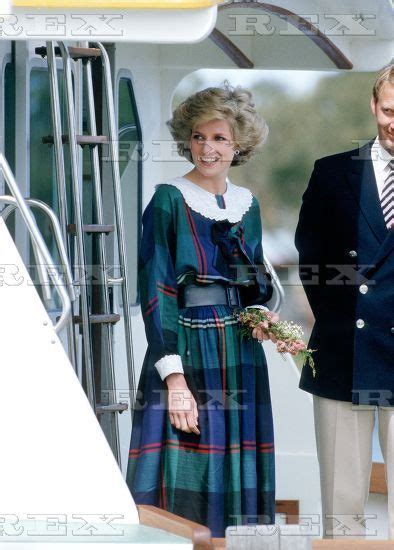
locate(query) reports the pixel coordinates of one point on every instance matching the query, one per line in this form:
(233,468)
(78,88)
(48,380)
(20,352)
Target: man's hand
(182,407)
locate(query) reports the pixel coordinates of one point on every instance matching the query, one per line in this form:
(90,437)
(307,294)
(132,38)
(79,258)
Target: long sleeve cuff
(258,306)
(169,364)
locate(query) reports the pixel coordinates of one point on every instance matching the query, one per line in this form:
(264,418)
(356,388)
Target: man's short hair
(385,75)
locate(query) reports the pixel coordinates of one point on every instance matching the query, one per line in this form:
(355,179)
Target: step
(81,140)
(99,318)
(91,228)
(84,53)
(74,52)
(114,407)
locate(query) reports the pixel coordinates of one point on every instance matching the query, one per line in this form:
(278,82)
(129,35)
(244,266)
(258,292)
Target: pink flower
(293,349)
(281,346)
(300,345)
(273,317)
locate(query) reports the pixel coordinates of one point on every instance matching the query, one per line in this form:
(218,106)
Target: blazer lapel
(363,183)
(386,248)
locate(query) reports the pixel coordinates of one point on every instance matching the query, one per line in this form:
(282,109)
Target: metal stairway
(92,346)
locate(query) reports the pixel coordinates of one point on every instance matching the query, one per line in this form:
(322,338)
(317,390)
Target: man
(345,238)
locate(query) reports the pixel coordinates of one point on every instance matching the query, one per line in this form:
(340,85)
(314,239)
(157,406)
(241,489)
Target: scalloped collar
(238,200)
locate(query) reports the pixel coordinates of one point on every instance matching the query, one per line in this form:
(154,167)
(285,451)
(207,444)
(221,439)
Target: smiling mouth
(208,160)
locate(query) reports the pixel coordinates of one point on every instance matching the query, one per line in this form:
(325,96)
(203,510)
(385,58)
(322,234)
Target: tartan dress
(224,476)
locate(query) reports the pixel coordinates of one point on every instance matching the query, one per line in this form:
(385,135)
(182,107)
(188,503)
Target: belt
(213,294)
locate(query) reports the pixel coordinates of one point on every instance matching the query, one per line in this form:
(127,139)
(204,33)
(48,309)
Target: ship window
(42,159)
(9,128)
(9,114)
(129,131)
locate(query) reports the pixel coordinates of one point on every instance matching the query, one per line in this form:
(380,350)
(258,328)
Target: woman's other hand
(182,407)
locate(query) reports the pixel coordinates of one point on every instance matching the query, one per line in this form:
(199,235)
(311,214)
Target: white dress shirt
(380,161)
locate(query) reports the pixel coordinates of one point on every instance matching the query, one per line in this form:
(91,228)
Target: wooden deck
(219,544)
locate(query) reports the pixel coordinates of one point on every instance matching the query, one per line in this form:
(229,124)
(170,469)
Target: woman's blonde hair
(249,130)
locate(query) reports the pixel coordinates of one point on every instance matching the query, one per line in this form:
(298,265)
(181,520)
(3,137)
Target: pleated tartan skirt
(226,475)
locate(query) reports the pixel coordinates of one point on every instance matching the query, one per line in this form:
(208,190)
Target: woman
(202,439)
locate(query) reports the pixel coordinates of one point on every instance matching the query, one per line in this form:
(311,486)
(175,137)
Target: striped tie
(387,199)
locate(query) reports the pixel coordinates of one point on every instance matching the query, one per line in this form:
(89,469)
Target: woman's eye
(197,137)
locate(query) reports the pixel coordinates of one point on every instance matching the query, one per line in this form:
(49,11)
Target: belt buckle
(232,293)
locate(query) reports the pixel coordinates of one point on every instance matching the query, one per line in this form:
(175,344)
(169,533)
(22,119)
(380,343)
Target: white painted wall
(55,458)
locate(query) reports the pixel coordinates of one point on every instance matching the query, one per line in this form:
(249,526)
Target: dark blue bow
(229,253)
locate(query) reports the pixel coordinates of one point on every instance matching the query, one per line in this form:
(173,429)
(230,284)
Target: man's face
(383,109)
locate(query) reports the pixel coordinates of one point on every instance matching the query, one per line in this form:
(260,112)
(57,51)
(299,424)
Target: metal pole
(113,147)
(56,231)
(276,283)
(81,267)
(107,328)
(60,172)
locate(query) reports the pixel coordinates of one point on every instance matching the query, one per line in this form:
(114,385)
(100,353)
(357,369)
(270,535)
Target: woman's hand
(182,407)
(261,331)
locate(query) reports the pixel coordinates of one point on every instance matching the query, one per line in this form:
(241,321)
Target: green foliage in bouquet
(285,334)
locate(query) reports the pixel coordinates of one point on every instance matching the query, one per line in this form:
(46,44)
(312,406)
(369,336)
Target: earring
(237,151)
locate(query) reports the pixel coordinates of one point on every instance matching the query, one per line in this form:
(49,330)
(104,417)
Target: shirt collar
(380,155)
(237,200)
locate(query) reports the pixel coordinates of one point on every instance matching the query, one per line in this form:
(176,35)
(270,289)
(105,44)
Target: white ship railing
(16,201)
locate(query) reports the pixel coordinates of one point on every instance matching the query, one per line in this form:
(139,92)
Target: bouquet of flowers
(286,334)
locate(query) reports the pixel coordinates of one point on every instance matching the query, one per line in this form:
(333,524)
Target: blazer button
(363,289)
(352,253)
(392,330)
(360,323)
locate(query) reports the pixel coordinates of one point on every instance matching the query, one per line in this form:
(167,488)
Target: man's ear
(373,105)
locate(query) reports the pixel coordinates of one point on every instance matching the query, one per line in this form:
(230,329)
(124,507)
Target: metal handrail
(38,241)
(121,240)
(280,293)
(57,233)
(77,200)
(40,264)
(60,175)
(106,304)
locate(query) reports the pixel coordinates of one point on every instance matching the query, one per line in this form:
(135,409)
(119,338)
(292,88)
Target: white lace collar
(238,200)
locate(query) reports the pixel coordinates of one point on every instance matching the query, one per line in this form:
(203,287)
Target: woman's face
(212,148)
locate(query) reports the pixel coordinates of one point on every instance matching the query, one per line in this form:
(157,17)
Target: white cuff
(169,364)
(258,306)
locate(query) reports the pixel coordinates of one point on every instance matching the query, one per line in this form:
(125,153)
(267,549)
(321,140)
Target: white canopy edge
(108,25)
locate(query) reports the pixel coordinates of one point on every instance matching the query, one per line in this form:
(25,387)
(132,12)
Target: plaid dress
(224,476)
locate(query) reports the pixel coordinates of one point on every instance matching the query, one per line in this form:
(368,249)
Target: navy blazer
(347,269)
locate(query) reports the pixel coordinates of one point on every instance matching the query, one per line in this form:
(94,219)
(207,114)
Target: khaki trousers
(344,448)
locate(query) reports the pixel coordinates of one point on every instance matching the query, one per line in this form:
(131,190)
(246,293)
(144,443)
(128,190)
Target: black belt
(213,294)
